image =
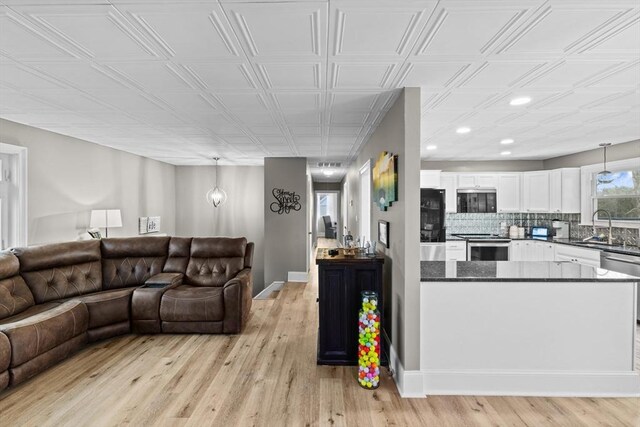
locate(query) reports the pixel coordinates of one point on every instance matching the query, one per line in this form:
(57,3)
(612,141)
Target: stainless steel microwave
(476,200)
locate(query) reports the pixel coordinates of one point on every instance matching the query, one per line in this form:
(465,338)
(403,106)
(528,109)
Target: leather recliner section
(130,261)
(5,359)
(43,339)
(15,296)
(61,270)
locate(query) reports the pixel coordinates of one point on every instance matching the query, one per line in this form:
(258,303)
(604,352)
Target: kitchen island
(526,328)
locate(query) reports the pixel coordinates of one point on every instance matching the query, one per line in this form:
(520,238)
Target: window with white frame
(620,197)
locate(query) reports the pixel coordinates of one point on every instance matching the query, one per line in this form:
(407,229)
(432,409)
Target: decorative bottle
(369,341)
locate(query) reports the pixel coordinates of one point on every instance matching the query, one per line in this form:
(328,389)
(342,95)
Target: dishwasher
(627,264)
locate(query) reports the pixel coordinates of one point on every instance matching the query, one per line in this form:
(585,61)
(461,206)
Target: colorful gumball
(369,341)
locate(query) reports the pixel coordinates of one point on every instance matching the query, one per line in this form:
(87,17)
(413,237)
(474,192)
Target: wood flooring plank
(266,376)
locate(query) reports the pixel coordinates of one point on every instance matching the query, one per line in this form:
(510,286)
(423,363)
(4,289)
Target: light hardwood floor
(267,376)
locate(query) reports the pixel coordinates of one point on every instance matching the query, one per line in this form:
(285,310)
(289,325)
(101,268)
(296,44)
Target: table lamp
(105,218)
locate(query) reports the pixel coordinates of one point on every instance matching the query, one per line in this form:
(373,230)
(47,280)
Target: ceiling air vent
(329,164)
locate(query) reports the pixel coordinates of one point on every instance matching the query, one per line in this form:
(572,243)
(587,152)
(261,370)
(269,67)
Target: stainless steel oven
(488,250)
(627,264)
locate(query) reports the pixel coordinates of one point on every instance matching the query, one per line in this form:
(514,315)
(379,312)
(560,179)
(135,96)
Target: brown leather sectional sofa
(56,298)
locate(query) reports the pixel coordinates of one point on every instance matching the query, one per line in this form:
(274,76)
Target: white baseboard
(297,276)
(408,383)
(264,294)
(535,383)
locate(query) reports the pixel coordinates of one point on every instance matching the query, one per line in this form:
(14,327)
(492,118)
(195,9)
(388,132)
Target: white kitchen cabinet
(535,191)
(466,180)
(516,250)
(508,192)
(526,250)
(579,255)
(429,179)
(456,250)
(548,251)
(564,190)
(448,183)
(477,180)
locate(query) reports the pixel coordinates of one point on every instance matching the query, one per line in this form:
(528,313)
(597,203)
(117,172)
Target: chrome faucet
(593,221)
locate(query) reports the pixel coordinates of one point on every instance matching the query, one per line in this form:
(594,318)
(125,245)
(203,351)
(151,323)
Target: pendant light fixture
(605,176)
(216,196)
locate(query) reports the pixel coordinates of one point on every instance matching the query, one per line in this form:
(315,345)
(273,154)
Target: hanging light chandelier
(605,176)
(216,196)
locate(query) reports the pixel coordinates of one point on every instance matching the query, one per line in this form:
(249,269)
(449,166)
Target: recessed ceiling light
(431,147)
(327,172)
(506,141)
(505,153)
(463,129)
(520,101)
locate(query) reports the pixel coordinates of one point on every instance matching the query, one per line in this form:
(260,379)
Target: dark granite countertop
(517,271)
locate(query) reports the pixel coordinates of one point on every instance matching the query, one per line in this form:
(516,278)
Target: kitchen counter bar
(517,271)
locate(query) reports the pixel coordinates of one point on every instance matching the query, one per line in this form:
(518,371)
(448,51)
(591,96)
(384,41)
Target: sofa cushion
(30,312)
(39,333)
(61,270)
(192,304)
(131,261)
(107,307)
(179,252)
(215,260)
(15,296)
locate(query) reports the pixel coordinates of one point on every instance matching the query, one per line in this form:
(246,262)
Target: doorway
(327,204)
(364,231)
(13,196)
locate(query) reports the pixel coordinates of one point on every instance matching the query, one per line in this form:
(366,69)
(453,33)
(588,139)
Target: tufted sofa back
(130,261)
(215,260)
(15,296)
(61,270)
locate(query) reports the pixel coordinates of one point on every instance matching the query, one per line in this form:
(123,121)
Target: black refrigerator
(432,209)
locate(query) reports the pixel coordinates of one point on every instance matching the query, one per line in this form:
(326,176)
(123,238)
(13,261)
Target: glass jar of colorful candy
(369,341)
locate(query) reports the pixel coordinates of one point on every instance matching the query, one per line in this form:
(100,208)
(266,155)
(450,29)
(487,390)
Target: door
(364,231)
(13,196)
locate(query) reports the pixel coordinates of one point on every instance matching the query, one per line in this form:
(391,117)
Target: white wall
(68,177)
(241,215)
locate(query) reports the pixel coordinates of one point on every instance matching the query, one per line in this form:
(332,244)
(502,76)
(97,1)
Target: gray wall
(484,166)
(621,151)
(627,150)
(67,177)
(285,235)
(399,133)
(241,215)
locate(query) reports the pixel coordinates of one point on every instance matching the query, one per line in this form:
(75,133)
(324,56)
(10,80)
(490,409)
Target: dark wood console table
(341,279)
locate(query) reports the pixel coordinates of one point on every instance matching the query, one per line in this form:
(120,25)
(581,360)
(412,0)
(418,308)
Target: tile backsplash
(490,223)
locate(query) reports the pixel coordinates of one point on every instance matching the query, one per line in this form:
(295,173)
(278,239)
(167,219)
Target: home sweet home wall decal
(285,201)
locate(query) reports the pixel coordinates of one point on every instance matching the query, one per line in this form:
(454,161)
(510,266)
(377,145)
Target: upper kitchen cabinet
(430,179)
(508,192)
(564,190)
(535,191)
(477,180)
(448,183)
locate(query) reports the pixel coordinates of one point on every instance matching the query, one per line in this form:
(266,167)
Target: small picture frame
(383,232)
